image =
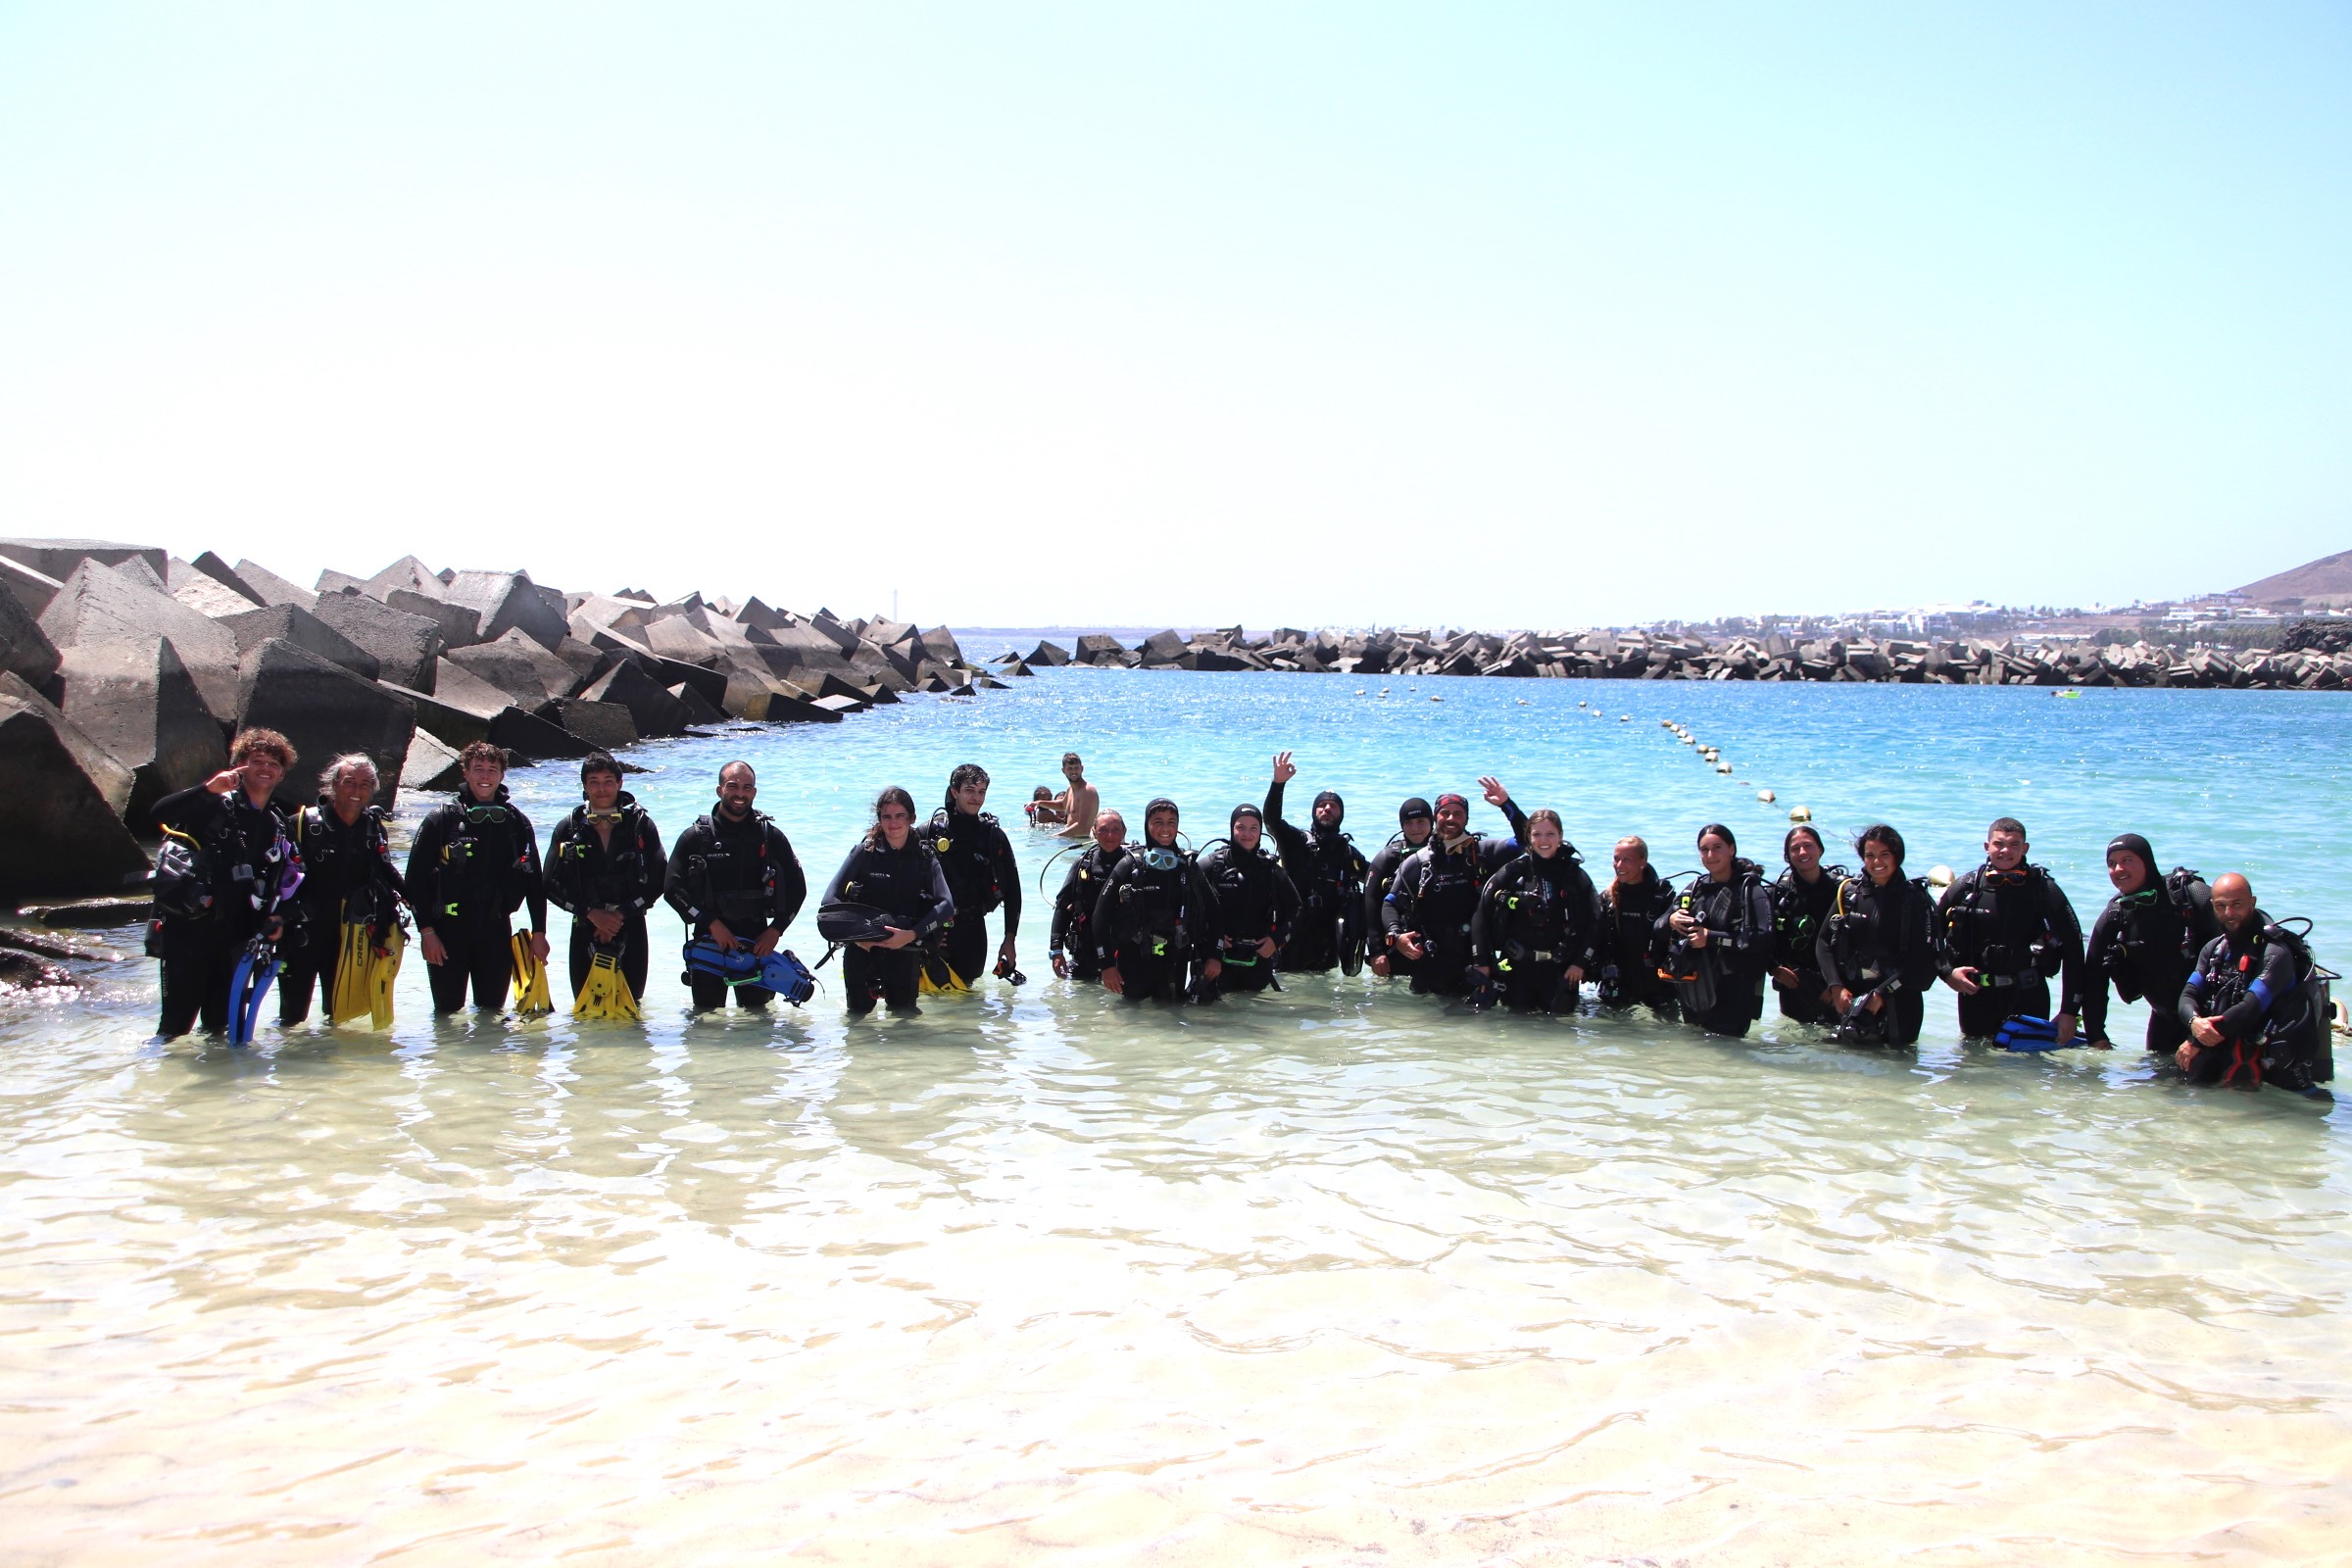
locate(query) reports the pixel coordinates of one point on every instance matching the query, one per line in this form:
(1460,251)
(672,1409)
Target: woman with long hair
(895,875)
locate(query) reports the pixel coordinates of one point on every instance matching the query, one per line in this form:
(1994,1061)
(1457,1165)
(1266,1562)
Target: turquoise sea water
(1334,1275)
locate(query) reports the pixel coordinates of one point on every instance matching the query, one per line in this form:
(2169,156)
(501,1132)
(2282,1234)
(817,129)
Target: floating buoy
(1434,697)
(1800,813)
(1625,718)
(1723,768)
(1521,701)
(1359,691)
(1766,796)
(1940,876)
(1665,724)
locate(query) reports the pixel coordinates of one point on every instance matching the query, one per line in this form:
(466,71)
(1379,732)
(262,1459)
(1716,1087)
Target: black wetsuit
(1073,934)
(1629,945)
(2017,929)
(245,853)
(1154,921)
(1798,909)
(1880,939)
(583,873)
(908,886)
(1537,920)
(1724,993)
(2253,983)
(742,874)
(2146,944)
(1435,894)
(1255,900)
(1325,866)
(983,876)
(348,876)
(1380,878)
(473,866)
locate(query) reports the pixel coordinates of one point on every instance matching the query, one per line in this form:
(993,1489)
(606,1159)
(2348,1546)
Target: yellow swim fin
(355,973)
(939,977)
(605,994)
(380,976)
(530,979)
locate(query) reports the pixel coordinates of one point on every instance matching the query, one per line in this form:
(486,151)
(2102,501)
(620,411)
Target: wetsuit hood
(1413,807)
(1242,810)
(1332,796)
(2139,845)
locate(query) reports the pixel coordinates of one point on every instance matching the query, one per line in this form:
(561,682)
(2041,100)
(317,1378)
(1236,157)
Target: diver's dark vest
(1798,911)
(1085,885)
(1244,883)
(968,857)
(1535,913)
(1155,902)
(898,882)
(1332,872)
(592,876)
(338,862)
(729,881)
(485,866)
(2294,1047)
(2004,929)
(1861,930)
(2157,938)
(203,875)
(1632,915)
(1448,892)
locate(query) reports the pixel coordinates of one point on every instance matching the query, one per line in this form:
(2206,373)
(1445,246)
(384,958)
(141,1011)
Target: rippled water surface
(1330,1276)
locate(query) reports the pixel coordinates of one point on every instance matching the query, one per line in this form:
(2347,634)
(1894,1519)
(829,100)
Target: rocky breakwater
(2307,663)
(124,672)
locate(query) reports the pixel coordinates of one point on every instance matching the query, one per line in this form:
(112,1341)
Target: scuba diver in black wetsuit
(474,862)
(348,878)
(605,868)
(1325,866)
(1415,821)
(1258,906)
(894,870)
(2253,1008)
(1718,938)
(2146,943)
(1537,923)
(1072,940)
(1636,899)
(1157,917)
(981,873)
(1800,901)
(1429,910)
(2003,931)
(734,880)
(221,880)
(1877,946)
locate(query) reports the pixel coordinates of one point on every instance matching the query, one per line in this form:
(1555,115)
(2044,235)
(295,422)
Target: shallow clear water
(1336,1275)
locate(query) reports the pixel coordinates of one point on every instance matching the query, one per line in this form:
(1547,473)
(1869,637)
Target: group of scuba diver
(247,891)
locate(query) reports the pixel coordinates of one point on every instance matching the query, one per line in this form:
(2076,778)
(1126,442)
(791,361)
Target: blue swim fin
(249,988)
(786,976)
(2027,1033)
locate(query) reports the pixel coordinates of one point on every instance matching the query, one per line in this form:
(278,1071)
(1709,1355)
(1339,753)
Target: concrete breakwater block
(325,710)
(97,604)
(430,766)
(508,601)
(26,651)
(137,700)
(274,589)
(528,674)
(404,646)
(653,710)
(294,624)
(460,627)
(607,725)
(62,799)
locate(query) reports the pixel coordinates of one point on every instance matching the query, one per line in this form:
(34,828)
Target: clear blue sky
(1487,315)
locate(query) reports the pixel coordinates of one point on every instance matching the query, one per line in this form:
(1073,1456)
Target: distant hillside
(2327,578)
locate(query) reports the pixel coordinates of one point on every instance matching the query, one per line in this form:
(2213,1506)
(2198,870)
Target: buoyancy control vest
(968,854)
(731,870)
(485,865)
(1798,910)
(2002,924)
